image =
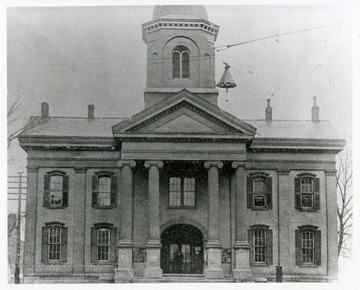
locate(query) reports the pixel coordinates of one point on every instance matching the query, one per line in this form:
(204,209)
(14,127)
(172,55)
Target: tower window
(181,62)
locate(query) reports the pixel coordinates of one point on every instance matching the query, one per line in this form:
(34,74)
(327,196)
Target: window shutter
(249,182)
(46,190)
(64,239)
(65,202)
(316,193)
(298,258)
(44,244)
(269,247)
(93,255)
(297,193)
(317,237)
(251,252)
(95,190)
(268,192)
(113,245)
(113,190)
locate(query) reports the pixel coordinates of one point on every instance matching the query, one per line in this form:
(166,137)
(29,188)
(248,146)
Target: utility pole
(17,261)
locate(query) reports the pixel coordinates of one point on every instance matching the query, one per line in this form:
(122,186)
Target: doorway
(182,250)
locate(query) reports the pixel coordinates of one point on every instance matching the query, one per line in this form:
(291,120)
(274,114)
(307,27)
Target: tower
(180,53)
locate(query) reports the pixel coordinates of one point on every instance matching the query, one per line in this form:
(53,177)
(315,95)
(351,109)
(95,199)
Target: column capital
(330,172)
(237,164)
(130,163)
(284,172)
(209,164)
(157,163)
(32,169)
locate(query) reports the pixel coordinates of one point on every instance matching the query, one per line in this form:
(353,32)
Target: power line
(224,47)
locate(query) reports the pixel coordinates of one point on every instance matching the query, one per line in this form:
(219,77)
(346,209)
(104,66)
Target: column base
(123,275)
(214,269)
(242,275)
(153,270)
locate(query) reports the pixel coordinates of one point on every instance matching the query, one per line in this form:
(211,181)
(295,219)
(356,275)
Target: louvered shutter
(316,193)
(269,247)
(46,190)
(251,252)
(298,259)
(297,193)
(64,240)
(44,244)
(65,201)
(93,254)
(249,183)
(317,237)
(268,192)
(113,244)
(113,190)
(95,191)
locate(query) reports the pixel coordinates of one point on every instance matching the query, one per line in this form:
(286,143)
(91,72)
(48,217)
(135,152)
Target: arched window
(104,190)
(307,192)
(181,62)
(103,243)
(308,245)
(259,191)
(54,242)
(260,240)
(56,189)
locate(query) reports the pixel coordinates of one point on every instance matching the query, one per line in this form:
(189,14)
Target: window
(182,192)
(56,189)
(259,191)
(181,62)
(307,195)
(103,243)
(308,246)
(54,242)
(104,190)
(260,240)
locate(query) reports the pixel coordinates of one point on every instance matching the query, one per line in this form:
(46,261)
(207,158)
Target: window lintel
(103,225)
(56,172)
(259,174)
(308,227)
(104,173)
(54,224)
(259,226)
(309,175)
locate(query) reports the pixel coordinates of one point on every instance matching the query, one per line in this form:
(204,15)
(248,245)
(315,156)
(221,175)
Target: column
(284,218)
(79,220)
(242,270)
(153,244)
(332,221)
(124,271)
(31,218)
(214,269)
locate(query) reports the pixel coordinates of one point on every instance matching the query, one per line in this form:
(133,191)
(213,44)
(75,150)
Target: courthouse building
(181,191)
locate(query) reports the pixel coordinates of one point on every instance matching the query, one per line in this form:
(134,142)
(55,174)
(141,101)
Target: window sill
(260,208)
(56,207)
(259,265)
(182,207)
(308,266)
(54,263)
(104,263)
(104,207)
(308,209)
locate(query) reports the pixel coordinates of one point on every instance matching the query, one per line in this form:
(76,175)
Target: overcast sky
(72,57)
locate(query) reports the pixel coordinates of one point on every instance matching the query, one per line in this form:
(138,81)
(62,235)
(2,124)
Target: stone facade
(246,202)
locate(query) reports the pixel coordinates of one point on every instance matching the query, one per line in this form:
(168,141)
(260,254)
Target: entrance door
(182,250)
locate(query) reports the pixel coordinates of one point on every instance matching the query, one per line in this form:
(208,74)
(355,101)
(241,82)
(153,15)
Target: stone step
(183,278)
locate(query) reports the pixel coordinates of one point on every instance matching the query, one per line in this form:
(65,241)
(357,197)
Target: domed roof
(180,12)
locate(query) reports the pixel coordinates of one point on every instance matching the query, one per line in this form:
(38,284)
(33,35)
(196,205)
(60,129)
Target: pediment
(184,113)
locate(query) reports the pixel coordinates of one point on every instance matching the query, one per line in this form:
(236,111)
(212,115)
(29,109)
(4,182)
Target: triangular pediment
(184,113)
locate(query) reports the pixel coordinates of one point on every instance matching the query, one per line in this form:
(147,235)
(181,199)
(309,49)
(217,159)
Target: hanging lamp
(226,81)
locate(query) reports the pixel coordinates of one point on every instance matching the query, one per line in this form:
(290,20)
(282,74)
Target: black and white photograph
(180,142)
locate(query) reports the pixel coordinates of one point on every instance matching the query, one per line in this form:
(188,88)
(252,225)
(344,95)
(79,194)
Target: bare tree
(11,223)
(13,115)
(344,212)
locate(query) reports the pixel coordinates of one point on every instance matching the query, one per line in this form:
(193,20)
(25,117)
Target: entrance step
(183,278)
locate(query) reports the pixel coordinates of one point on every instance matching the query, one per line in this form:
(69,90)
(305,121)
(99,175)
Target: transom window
(103,244)
(56,190)
(54,241)
(259,242)
(307,245)
(182,192)
(181,64)
(104,196)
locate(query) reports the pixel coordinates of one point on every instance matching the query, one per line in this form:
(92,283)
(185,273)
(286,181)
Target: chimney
(44,110)
(91,112)
(315,111)
(268,111)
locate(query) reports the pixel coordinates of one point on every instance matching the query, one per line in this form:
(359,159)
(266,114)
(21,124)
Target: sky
(74,56)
